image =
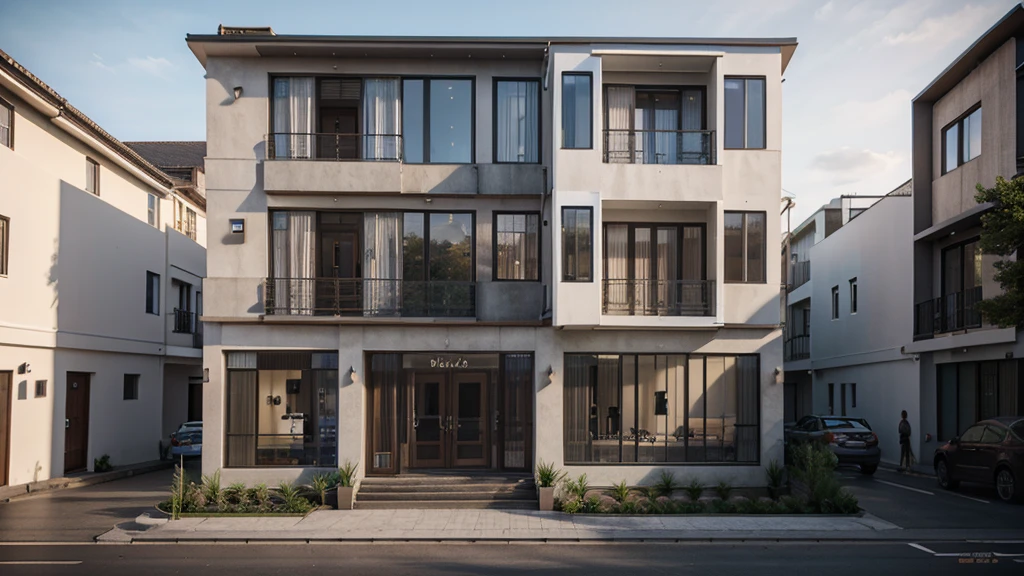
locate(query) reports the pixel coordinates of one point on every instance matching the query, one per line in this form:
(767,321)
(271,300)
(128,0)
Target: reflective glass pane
(755,247)
(734,265)
(951,144)
(412,120)
(755,113)
(451,121)
(735,114)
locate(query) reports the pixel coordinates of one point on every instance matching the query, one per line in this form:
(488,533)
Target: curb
(23,491)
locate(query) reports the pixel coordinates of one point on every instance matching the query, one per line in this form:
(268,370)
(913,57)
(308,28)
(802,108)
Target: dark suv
(990,452)
(850,439)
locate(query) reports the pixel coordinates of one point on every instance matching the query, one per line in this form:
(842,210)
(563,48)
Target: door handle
(415,420)
(67,423)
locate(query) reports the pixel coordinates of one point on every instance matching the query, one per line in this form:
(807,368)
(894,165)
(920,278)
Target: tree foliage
(1003,235)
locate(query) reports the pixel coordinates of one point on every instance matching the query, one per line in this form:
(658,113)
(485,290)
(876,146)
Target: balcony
(956,311)
(801,273)
(334,147)
(635,297)
(797,348)
(666,147)
(186,322)
(365,297)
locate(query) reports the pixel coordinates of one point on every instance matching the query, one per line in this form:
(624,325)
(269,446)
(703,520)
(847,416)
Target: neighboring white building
(92,361)
(507,251)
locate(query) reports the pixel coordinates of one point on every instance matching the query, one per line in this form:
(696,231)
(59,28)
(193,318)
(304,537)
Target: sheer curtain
(642,270)
(621,103)
(748,400)
(381,118)
(294,240)
(616,268)
(517,121)
(668,269)
(666,148)
(293,117)
(382,263)
(692,291)
(694,150)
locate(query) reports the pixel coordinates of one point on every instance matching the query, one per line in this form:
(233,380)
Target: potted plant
(346,485)
(548,478)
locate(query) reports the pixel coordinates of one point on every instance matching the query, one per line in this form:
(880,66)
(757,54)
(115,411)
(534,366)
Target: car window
(1018,428)
(831,423)
(973,434)
(993,435)
(802,424)
(810,425)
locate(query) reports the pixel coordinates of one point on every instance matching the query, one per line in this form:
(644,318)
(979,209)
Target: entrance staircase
(448,489)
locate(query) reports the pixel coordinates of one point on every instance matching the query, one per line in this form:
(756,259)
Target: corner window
(835,302)
(853,296)
(517,121)
(6,124)
(745,247)
(577,110)
(437,120)
(131,386)
(153,210)
(152,293)
(745,112)
(961,140)
(92,176)
(577,244)
(516,246)
(5,232)
(40,388)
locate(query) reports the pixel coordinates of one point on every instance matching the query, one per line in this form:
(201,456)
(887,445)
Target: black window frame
(764,112)
(562,255)
(743,235)
(842,399)
(562,109)
(5,245)
(853,394)
(494,117)
(835,302)
(961,136)
(494,244)
(152,293)
(831,399)
(10,129)
(92,166)
(426,118)
(853,295)
(130,391)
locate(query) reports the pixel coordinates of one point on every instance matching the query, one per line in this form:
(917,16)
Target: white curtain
(294,241)
(642,270)
(621,103)
(517,121)
(382,264)
(616,270)
(668,269)
(381,118)
(293,117)
(693,150)
(666,145)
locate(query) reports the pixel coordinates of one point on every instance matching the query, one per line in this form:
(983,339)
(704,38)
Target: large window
(973,391)
(517,121)
(961,140)
(516,246)
(152,293)
(962,270)
(745,247)
(5,237)
(661,408)
(282,409)
(577,244)
(577,110)
(437,120)
(92,176)
(745,113)
(6,124)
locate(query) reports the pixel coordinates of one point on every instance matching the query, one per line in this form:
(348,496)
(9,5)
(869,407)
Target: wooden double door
(450,423)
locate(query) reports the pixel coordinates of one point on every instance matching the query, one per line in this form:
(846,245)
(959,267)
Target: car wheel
(942,474)
(1006,486)
(868,469)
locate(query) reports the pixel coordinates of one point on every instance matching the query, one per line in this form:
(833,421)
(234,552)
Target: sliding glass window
(577,110)
(577,244)
(517,121)
(642,408)
(437,120)
(745,247)
(745,111)
(516,246)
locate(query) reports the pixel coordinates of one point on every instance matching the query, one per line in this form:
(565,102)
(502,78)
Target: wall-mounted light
(206,375)
(428,200)
(238,92)
(353,375)
(551,374)
(25,368)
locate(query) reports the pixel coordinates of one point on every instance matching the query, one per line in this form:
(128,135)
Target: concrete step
(460,487)
(442,496)
(447,504)
(445,480)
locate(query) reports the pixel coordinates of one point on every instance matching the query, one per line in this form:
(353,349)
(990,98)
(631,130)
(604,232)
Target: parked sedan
(850,439)
(990,452)
(187,440)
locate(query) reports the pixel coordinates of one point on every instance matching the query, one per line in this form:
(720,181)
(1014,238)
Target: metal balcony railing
(956,311)
(186,322)
(632,297)
(369,297)
(334,147)
(797,347)
(659,146)
(800,275)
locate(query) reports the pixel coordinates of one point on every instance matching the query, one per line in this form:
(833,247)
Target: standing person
(905,455)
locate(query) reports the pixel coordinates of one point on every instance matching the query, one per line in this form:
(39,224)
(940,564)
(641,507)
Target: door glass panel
(470,425)
(967,394)
(428,412)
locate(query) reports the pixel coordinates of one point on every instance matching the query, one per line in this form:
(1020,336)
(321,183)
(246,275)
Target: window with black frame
(577,244)
(745,247)
(516,246)
(646,408)
(516,121)
(282,409)
(437,120)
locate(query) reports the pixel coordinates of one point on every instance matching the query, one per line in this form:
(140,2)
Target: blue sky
(846,107)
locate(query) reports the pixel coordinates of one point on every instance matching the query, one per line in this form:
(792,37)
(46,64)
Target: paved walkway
(482,525)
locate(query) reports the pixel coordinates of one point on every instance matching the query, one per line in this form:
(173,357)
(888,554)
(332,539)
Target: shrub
(292,499)
(723,490)
(211,489)
(547,475)
(102,464)
(694,489)
(774,474)
(321,484)
(666,484)
(814,465)
(620,492)
(578,487)
(347,474)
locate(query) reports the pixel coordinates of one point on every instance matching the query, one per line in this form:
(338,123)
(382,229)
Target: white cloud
(846,165)
(940,30)
(158,67)
(893,108)
(97,61)
(825,10)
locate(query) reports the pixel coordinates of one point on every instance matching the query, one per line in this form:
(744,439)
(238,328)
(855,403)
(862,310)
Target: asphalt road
(496,559)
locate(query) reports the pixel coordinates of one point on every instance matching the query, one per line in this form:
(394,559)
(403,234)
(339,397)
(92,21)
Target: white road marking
(922,548)
(905,487)
(996,541)
(968,497)
(43,562)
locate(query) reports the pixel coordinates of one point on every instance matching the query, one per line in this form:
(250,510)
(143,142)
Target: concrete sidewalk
(490,525)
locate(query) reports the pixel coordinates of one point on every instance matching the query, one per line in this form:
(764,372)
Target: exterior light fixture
(238,92)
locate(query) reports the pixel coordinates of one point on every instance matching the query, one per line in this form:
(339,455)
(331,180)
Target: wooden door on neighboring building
(5,427)
(76,422)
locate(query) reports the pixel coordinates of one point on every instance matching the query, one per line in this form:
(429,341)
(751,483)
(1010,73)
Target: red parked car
(990,452)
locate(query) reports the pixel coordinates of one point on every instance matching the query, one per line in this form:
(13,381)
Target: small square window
(152,293)
(40,388)
(6,124)
(853,296)
(92,176)
(835,302)
(131,386)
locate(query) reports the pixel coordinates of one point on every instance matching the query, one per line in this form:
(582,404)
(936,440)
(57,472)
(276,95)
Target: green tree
(1002,235)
